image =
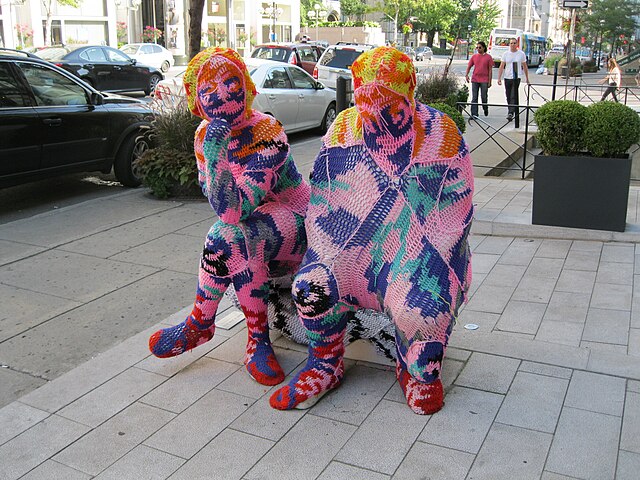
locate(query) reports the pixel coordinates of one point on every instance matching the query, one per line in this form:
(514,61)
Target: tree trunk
(48,22)
(430,36)
(196,10)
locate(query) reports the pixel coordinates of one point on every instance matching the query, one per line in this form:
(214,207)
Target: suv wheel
(124,166)
(153,83)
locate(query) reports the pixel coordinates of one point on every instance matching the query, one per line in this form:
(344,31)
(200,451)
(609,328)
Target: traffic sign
(575,3)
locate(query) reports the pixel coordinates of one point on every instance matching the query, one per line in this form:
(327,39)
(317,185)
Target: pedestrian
(511,81)
(613,78)
(482,64)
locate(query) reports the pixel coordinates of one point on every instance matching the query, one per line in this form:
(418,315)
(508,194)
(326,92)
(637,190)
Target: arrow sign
(575,3)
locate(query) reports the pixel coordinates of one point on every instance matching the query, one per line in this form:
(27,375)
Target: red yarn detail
(422,398)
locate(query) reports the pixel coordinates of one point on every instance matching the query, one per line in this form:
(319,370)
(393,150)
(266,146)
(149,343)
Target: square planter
(581,192)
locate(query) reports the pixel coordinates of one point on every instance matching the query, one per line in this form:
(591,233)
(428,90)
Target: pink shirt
(482,66)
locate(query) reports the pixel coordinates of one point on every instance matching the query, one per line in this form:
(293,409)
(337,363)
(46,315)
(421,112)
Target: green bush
(589,66)
(551,60)
(441,51)
(575,68)
(455,115)
(437,86)
(611,129)
(561,124)
(169,168)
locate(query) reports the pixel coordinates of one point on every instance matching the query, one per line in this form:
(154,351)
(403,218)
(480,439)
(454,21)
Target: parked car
(285,91)
(423,53)
(409,52)
(104,68)
(337,60)
(52,123)
(304,55)
(150,54)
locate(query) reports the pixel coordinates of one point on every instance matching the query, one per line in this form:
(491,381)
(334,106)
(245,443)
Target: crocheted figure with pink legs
(387,229)
(247,172)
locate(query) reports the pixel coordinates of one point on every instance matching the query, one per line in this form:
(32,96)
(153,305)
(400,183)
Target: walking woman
(482,64)
(614,78)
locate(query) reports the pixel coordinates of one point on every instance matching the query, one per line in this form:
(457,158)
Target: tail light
(58,64)
(315,72)
(292,59)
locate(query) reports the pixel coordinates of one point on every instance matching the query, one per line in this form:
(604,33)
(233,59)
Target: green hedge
(611,129)
(560,127)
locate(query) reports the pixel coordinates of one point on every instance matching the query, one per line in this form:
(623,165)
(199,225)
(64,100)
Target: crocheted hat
(234,60)
(388,67)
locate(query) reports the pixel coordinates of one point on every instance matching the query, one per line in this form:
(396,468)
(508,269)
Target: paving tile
(111,397)
(435,461)
(197,379)
(612,297)
(494,245)
(51,470)
(633,386)
(608,363)
(564,333)
(105,444)
(142,462)
(488,372)
(548,370)
(607,326)
(13,251)
(596,393)
(511,452)
(634,342)
(464,421)
(568,307)
(393,428)
(486,321)
(615,273)
(217,407)
(628,466)
(232,350)
(604,347)
(517,254)
(613,252)
(586,246)
(22,310)
(489,298)
(50,435)
(342,471)
(17,417)
(361,390)
(505,275)
(521,317)
(534,289)
(585,445)
(555,476)
(301,455)
(227,457)
(71,276)
(581,260)
(545,267)
(477,280)
(552,248)
(630,439)
(484,262)
(15,384)
(576,281)
(533,402)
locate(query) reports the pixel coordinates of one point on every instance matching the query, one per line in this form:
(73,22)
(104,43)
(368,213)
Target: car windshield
(130,49)
(271,53)
(340,58)
(54,53)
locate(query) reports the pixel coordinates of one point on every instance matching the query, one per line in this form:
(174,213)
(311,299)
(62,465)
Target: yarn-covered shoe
(262,364)
(173,341)
(422,398)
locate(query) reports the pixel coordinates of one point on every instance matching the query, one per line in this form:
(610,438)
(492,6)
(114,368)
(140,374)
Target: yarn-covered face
(218,85)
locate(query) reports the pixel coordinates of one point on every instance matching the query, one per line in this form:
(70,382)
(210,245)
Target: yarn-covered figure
(247,173)
(387,230)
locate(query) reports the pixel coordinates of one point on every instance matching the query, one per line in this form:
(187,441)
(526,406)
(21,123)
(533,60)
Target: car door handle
(88,66)
(52,122)
(117,67)
(301,95)
(272,97)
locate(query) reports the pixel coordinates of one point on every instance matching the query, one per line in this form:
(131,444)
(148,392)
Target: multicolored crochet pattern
(247,173)
(387,226)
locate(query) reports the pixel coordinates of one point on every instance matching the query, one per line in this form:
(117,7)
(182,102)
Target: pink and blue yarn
(387,229)
(248,174)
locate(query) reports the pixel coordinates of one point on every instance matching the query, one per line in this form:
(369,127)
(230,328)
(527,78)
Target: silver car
(285,91)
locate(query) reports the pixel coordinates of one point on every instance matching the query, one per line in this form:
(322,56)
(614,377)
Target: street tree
(353,9)
(611,19)
(48,8)
(196,11)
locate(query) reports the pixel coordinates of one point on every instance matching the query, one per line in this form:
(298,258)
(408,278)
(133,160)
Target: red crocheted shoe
(422,398)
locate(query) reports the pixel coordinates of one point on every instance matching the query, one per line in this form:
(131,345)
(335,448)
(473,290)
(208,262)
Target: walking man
(511,78)
(482,64)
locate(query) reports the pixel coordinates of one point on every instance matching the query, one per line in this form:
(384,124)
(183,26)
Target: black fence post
(555,80)
(341,93)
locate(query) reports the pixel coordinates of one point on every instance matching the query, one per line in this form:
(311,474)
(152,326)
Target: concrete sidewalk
(547,387)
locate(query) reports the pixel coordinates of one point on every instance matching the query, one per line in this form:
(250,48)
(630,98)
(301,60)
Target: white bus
(532,45)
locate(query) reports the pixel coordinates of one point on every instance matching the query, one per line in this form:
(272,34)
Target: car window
(52,54)
(93,55)
(301,79)
(339,58)
(52,88)
(146,49)
(277,78)
(308,54)
(12,94)
(269,53)
(156,48)
(116,56)
(130,49)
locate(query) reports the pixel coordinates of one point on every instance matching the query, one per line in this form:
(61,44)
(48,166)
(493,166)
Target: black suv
(52,123)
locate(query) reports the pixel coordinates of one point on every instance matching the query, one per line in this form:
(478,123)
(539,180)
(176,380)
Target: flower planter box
(581,192)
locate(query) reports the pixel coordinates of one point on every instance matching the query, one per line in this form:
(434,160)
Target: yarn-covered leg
(199,326)
(422,398)
(252,290)
(325,366)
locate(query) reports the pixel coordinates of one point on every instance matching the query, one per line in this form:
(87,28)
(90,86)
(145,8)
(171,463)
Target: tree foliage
(612,18)
(353,9)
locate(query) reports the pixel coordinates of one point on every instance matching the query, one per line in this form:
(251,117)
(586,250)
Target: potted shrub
(582,177)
